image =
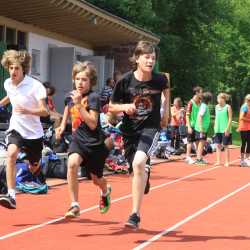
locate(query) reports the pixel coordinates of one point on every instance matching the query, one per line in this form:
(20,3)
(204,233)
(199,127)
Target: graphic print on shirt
(143,102)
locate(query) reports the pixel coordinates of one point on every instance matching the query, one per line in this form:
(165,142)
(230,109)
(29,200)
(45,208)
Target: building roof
(76,19)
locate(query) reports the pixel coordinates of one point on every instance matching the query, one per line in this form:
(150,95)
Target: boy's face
(146,62)
(220,100)
(82,82)
(200,94)
(16,73)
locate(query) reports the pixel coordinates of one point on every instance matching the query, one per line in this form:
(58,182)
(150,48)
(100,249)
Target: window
(14,39)
(10,36)
(1,33)
(21,39)
(35,66)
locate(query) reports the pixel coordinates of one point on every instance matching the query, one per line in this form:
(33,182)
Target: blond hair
(89,68)
(142,47)
(224,96)
(247,97)
(22,58)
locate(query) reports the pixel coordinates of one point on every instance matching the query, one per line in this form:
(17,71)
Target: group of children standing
(198,119)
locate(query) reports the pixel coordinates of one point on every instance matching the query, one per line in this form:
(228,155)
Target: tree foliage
(203,43)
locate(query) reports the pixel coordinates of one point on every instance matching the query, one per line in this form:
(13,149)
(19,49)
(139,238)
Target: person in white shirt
(27,97)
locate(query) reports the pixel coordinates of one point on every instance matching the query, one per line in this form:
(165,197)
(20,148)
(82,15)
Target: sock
(12,193)
(75,204)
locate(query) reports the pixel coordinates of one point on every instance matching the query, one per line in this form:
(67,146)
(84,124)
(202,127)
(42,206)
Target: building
(60,32)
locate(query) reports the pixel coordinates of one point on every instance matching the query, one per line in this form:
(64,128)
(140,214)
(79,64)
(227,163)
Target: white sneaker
(247,162)
(243,163)
(189,160)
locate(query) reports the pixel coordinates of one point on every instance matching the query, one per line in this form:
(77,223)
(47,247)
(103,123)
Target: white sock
(12,193)
(75,204)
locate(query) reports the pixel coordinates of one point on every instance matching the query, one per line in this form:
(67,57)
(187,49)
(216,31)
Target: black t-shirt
(83,133)
(147,98)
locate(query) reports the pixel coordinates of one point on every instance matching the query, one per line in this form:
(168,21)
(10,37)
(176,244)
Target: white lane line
(3,237)
(189,218)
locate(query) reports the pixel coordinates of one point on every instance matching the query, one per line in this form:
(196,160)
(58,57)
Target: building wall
(42,44)
(120,54)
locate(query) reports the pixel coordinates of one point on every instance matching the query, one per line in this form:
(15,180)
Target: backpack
(32,187)
(27,182)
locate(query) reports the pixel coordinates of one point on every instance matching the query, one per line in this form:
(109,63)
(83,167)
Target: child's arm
(42,109)
(165,105)
(5,100)
(128,108)
(59,131)
(230,115)
(200,122)
(90,117)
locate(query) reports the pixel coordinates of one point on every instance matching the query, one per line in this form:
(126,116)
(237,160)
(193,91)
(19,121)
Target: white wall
(43,43)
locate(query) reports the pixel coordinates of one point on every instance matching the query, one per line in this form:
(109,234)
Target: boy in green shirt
(202,126)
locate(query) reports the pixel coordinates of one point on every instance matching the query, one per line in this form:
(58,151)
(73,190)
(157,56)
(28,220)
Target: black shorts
(191,137)
(220,138)
(32,147)
(145,141)
(200,136)
(93,156)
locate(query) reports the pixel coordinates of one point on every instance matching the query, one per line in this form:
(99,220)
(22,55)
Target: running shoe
(189,160)
(105,201)
(7,201)
(200,162)
(133,221)
(147,187)
(73,212)
(243,163)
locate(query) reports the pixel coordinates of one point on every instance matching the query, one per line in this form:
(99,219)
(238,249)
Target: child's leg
(200,149)
(218,154)
(74,162)
(100,182)
(139,180)
(227,157)
(243,145)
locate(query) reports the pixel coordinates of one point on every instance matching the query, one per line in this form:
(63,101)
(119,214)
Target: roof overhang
(76,19)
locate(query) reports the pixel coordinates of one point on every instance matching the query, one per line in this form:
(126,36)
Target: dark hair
(143,47)
(51,88)
(109,80)
(207,97)
(197,89)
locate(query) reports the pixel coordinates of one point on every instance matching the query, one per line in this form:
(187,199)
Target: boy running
(201,126)
(87,146)
(27,97)
(191,117)
(138,95)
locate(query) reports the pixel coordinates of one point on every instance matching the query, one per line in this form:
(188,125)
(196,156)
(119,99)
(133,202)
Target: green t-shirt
(221,119)
(205,113)
(194,113)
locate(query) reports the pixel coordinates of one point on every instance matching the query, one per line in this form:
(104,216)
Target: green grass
(235,134)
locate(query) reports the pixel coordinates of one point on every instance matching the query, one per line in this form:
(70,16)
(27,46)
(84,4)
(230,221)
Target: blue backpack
(28,183)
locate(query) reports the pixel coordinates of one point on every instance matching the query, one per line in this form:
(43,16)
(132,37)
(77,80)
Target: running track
(189,207)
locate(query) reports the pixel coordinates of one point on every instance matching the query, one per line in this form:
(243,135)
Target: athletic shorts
(93,156)
(145,141)
(220,138)
(32,147)
(200,136)
(191,137)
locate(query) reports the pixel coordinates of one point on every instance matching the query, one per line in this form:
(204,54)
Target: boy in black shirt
(87,145)
(138,94)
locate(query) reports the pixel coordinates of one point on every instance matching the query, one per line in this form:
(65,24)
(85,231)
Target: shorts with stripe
(145,141)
